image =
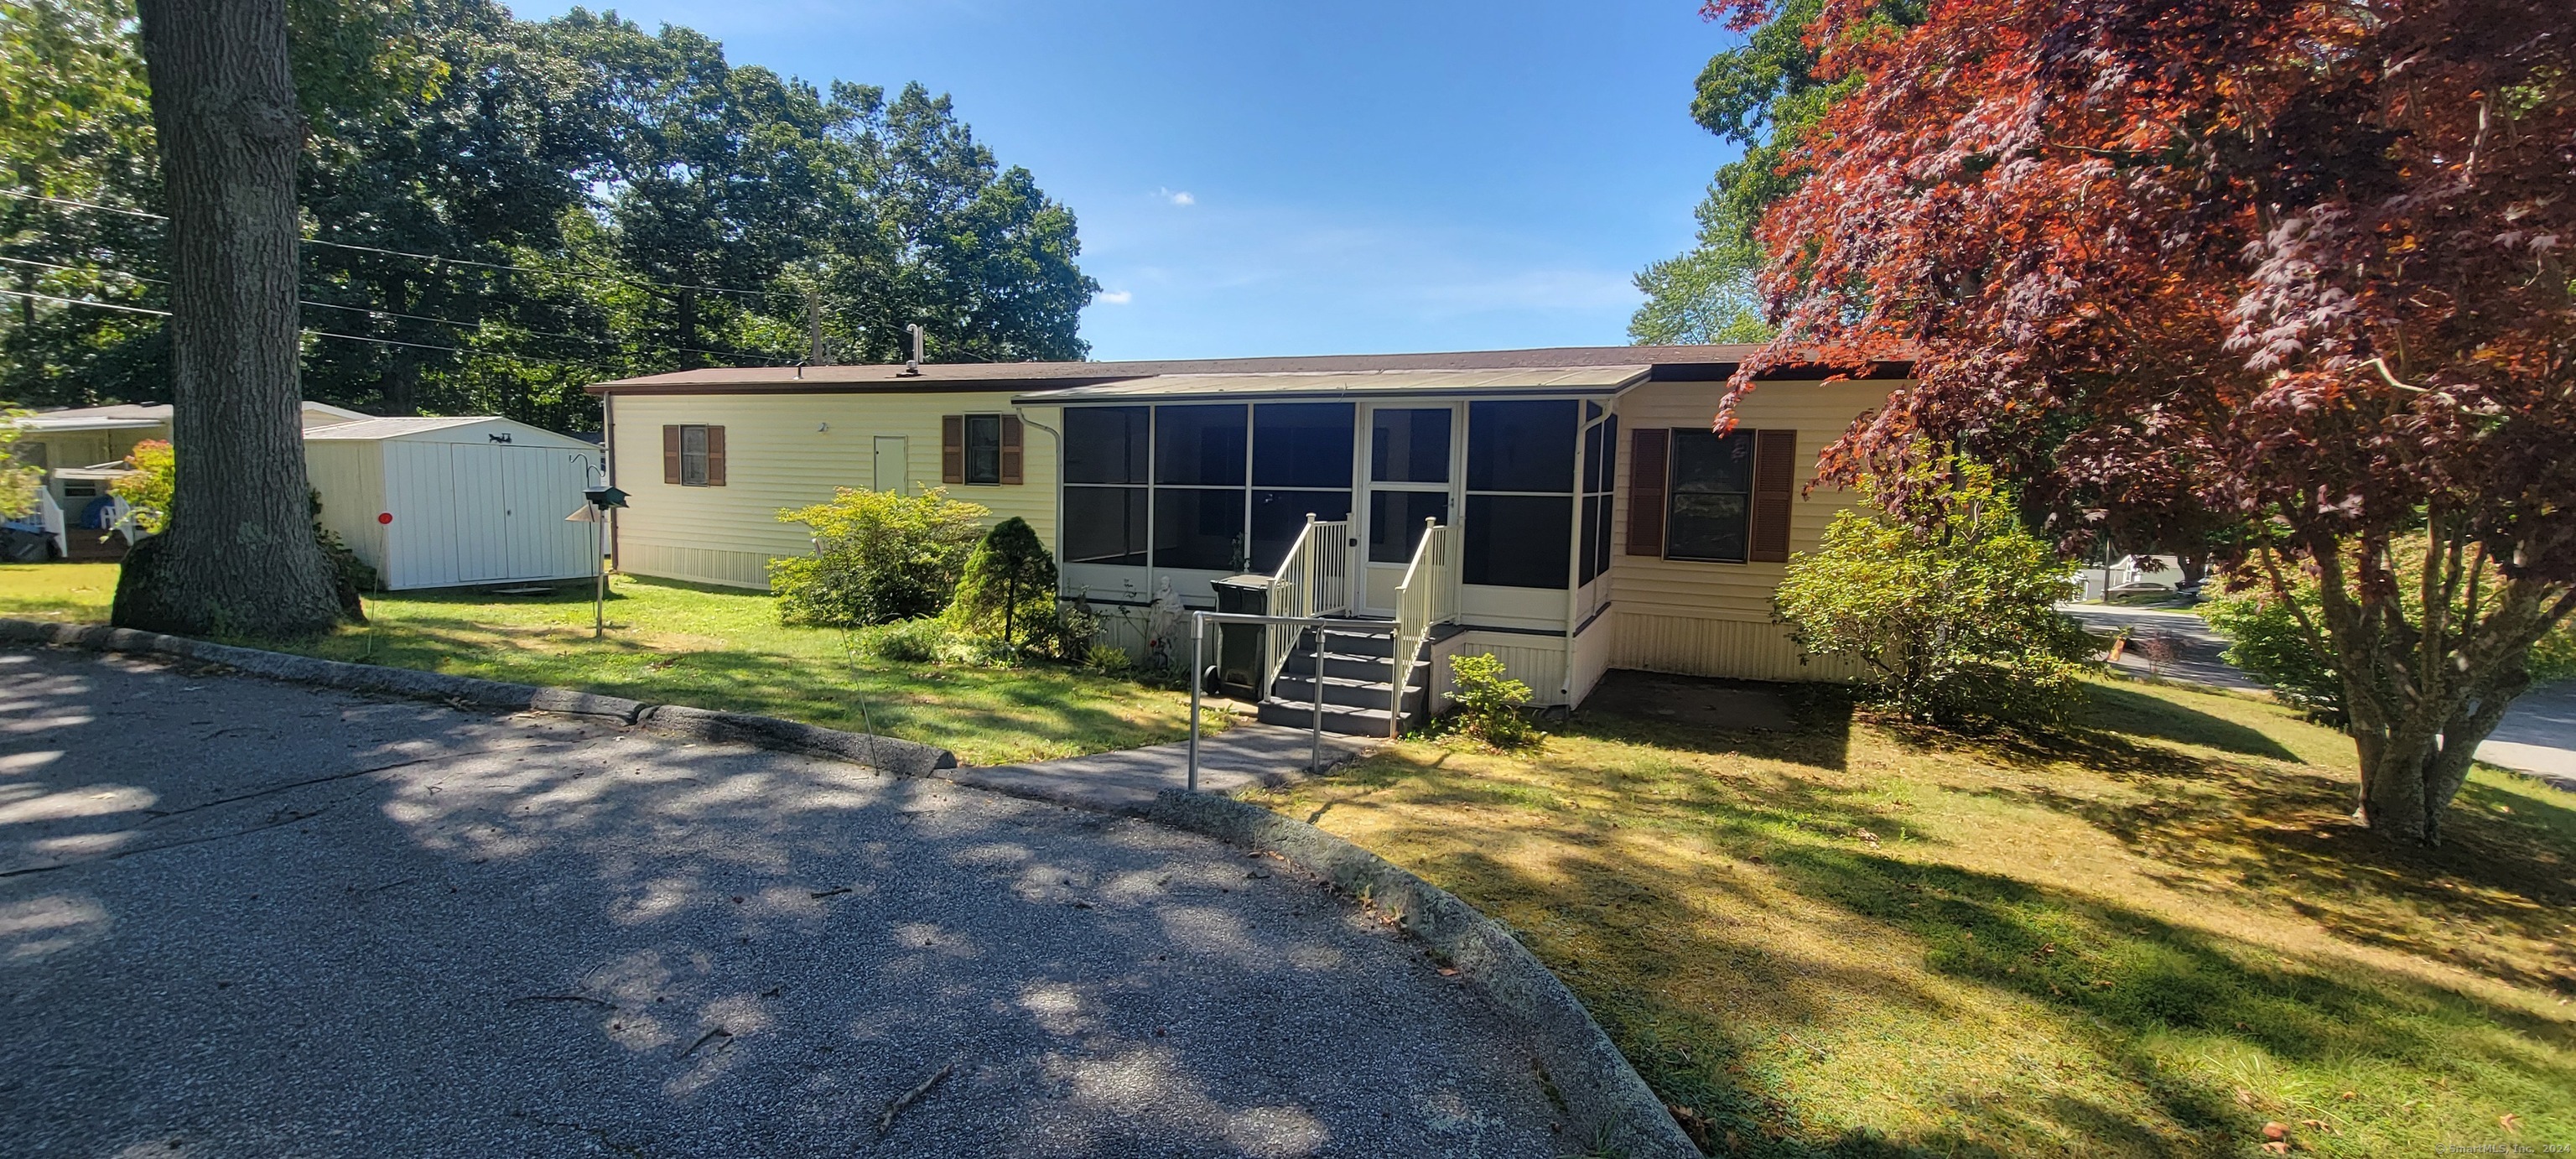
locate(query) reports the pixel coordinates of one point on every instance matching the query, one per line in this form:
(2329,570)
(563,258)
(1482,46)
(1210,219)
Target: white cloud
(1115,297)
(1176,196)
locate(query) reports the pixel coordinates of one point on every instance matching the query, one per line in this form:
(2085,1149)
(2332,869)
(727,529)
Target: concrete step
(1357,693)
(1341,719)
(1345,665)
(1379,644)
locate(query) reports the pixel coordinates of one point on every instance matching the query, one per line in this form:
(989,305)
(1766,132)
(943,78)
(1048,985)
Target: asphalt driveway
(242,918)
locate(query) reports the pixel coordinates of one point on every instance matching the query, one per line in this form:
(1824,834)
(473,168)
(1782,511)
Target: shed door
(544,485)
(450,519)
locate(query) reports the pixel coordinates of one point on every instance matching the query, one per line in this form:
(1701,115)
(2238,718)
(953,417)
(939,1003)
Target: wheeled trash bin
(1241,658)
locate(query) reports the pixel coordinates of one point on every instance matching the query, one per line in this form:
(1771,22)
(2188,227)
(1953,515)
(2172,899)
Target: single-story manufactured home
(1569,510)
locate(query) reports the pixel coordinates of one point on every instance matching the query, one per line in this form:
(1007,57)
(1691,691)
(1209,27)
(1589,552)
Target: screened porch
(1187,483)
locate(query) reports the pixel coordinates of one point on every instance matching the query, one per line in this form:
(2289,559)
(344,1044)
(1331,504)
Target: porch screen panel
(1108,455)
(1521,492)
(1600,470)
(1395,522)
(1200,460)
(1409,446)
(1105,525)
(1301,464)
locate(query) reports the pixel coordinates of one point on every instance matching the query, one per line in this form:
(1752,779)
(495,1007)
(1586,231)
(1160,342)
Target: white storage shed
(444,502)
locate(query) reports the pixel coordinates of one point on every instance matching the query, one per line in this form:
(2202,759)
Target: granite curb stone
(1608,1102)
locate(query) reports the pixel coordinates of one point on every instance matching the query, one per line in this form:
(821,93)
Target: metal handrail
(1321,626)
(1425,598)
(1313,580)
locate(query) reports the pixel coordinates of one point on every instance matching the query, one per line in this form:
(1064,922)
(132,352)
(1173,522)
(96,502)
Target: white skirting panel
(733,569)
(1538,661)
(1742,650)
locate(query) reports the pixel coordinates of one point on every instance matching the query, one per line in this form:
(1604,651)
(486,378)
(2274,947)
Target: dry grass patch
(2153,938)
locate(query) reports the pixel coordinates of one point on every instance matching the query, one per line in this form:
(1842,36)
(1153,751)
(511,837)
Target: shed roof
(128,416)
(116,417)
(409,426)
(1344,384)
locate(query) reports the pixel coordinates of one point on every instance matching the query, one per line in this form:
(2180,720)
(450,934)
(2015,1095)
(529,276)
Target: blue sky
(1313,177)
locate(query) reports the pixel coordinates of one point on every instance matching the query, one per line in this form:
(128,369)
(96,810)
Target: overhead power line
(612,343)
(596,275)
(314,333)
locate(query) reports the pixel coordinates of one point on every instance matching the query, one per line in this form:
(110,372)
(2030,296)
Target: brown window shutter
(1646,491)
(671,455)
(1775,483)
(952,448)
(1011,449)
(715,456)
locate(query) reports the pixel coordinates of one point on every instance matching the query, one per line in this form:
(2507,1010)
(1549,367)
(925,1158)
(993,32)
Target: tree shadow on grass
(2286,833)
(1820,736)
(2126,988)
(1012,714)
(2132,713)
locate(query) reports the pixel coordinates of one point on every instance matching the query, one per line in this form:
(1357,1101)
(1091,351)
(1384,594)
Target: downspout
(1052,433)
(608,471)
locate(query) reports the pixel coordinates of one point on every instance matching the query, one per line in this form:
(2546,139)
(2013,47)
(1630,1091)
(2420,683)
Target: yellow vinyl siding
(792,450)
(1714,619)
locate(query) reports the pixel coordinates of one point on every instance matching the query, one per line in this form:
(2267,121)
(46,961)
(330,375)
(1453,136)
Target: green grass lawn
(2152,939)
(710,647)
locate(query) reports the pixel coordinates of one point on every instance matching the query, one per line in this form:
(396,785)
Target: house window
(1520,493)
(1710,501)
(984,449)
(980,450)
(693,455)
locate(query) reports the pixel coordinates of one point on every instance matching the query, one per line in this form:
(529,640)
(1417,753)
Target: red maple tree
(2297,266)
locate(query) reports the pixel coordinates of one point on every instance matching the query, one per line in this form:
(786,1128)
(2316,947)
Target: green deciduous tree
(18,480)
(1762,96)
(1952,611)
(148,489)
(500,212)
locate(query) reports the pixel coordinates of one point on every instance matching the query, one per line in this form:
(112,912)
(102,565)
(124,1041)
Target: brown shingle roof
(1695,362)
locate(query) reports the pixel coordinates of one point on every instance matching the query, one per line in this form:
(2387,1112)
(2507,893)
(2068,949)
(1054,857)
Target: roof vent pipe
(914,366)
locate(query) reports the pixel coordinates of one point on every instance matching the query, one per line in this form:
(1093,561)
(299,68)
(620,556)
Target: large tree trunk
(238,556)
(2411,767)
(2422,694)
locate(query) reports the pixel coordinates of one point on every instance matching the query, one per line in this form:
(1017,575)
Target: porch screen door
(1411,469)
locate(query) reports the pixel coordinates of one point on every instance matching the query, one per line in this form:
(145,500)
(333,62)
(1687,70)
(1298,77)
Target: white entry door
(891,462)
(1409,474)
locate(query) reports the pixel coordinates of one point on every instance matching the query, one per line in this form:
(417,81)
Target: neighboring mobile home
(1569,510)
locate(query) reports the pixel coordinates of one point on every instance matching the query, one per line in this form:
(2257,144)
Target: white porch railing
(1427,597)
(50,514)
(1315,580)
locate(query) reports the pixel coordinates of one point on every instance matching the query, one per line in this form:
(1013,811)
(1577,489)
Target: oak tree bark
(238,556)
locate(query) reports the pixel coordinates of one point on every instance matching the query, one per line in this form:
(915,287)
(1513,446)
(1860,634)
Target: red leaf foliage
(2296,262)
